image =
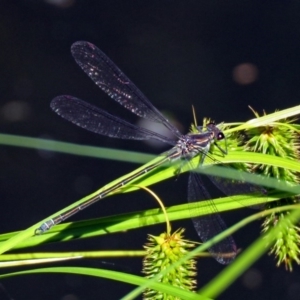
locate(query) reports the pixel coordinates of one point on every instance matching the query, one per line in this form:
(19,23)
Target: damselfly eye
(220,136)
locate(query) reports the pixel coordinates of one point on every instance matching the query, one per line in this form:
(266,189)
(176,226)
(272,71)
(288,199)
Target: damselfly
(117,85)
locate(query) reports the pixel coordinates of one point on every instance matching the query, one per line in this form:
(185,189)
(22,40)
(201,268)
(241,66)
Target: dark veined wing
(99,121)
(240,186)
(211,224)
(115,83)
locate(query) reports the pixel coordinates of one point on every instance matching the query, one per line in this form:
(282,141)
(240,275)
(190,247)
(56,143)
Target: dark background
(178,53)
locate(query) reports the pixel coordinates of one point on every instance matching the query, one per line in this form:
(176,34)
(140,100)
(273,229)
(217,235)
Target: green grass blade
(267,119)
(74,149)
(112,275)
(224,279)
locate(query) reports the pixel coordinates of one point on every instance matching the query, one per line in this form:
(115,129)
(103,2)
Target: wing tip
(79,46)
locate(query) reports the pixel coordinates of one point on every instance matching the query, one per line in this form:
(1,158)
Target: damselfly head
(218,134)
